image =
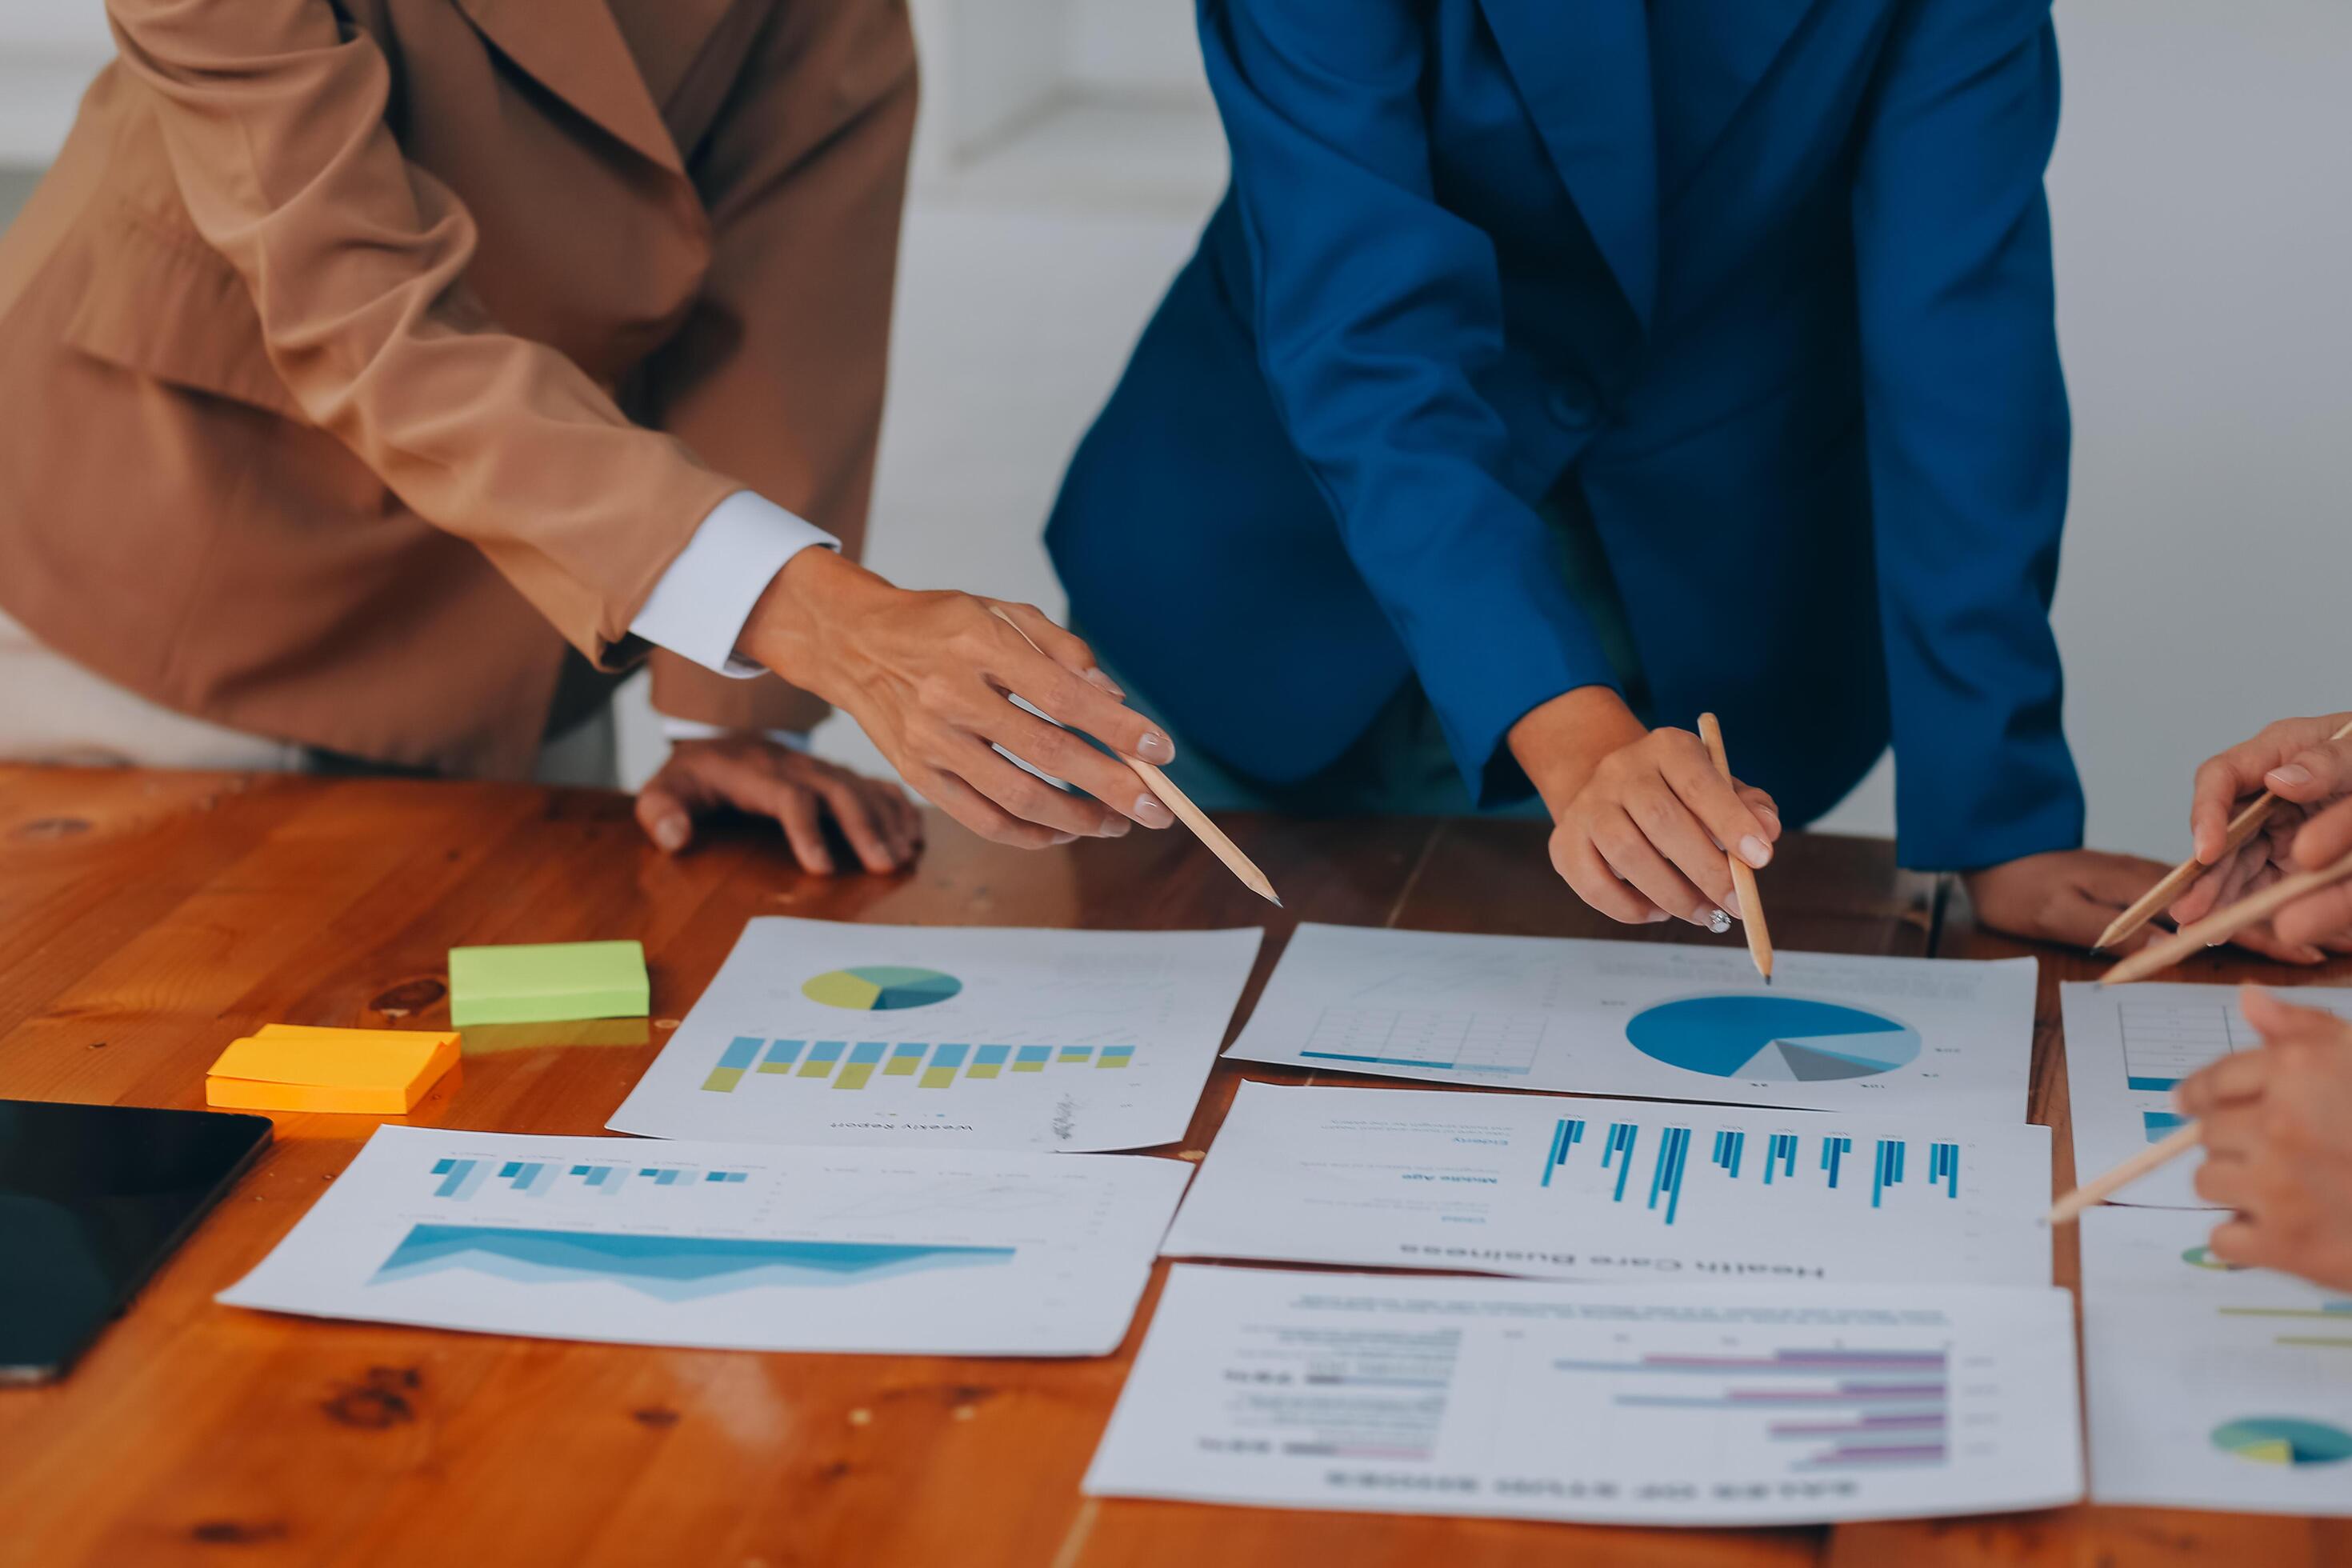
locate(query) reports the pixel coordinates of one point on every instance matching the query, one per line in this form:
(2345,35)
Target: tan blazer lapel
(668,36)
(576,51)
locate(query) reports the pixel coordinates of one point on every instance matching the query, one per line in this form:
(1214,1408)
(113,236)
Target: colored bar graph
(732,1062)
(2154,1085)
(529,1176)
(863,1057)
(1780,1157)
(988,1061)
(2161,1124)
(1889,1171)
(1115,1057)
(728,1177)
(460,1177)
(905,1059)
(1850,1409)
(820,1058)
(1623,1135)
(1666,1175)
(1565,1136)
(1833,1154)
(1032,1059)
(1075,1053)
(1944,1165)
(781,1055)
(1728,1148)
(945,1060)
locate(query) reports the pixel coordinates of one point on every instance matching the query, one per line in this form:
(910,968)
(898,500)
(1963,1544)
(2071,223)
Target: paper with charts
(2210,1387)
(1900,1035)
(731,1247)
(2127,1046)
(946,1036)
(1616,1189)
(1637,1404)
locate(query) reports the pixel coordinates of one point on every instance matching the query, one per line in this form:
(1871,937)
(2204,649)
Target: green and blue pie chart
(1788,1039)
(881,987)
(2283,1440)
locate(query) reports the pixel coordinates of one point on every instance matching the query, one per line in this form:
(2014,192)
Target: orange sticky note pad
(292,1067)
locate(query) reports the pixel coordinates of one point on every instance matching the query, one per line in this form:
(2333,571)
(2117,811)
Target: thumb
(2323,773)
(664,816)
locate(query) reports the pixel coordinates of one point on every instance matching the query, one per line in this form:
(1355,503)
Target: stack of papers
(286,1067)
(547,983)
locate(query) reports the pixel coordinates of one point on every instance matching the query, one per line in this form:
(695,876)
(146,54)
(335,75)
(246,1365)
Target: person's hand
(2310,828)
(931,677)
(752,774)
(2068,895)
(1641,817)
(2278,1142)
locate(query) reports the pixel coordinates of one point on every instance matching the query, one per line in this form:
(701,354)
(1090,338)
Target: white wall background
(2202,194)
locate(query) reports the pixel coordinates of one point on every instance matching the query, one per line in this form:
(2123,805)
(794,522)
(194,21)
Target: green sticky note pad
(547,983)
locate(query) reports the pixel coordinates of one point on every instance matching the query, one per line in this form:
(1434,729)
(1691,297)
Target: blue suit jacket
(1767,279)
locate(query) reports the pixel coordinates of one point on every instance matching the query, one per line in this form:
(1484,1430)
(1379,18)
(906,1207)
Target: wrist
(1561,743)
(798,625)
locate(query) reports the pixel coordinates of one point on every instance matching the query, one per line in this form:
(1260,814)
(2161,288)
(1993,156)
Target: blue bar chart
(1834,1408)
(461,1177)
(1669,1161)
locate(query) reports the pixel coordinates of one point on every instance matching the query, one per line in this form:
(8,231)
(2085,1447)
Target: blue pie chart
(1786,1039)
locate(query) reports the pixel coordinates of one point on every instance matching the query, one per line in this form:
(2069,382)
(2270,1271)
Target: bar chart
(1669,1161)
(1835,1408)
(461,1178)
(852,1064)
(668,1267)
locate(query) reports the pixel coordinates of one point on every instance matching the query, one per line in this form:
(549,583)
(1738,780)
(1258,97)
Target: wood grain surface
(147,918)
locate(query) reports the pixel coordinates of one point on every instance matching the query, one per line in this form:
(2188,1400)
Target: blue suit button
(1573,407)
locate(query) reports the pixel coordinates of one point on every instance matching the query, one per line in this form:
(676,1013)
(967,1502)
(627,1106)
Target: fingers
(960,800)
(2233,1132)
(2239,1078)
(1068,698)
(2223,780)
(1714,799)
(2238,1241)
(1757,800)
(796,811)
(1579,861)
(1066,756)
(665,814)
(1631,852)
(2315,774)
(2324,918)
(2224,1182)
(854,811)
(1031,799)
(2325,838)
(2280,1023)
(1064,647)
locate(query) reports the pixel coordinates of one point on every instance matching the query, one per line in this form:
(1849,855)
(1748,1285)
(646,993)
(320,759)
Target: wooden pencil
(2222,924)
(2177,881)
(1743,876)
(1179,806)
(2181,1140)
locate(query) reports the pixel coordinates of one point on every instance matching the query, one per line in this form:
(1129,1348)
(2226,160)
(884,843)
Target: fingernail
(1105,683)
(1154,748)
(1754,850)
(1116,827)
(1151,814)
(671,833)
(2291,775)
(1731,905)
(1062,838)
(1654,916)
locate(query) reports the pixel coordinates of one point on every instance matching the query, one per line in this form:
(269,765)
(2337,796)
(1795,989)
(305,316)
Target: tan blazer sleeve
(274,118)
(778,376)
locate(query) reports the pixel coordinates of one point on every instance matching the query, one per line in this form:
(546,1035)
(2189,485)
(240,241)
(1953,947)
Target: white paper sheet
(2210,1387)
(971,1038)
(736,1246)
(1897,1036)
(2127,1046)
(1692,1405)
(1616,1189)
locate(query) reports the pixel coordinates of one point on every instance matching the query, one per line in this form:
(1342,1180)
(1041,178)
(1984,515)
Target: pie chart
(881,987)
(1788,1039)
(2283,1440)
(2201,1257)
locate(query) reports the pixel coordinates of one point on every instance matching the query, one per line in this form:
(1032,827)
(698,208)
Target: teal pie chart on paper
(1786,1039)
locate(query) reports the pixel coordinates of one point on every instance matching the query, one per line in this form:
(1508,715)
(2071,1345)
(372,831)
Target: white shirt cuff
(695,730)
(700,607)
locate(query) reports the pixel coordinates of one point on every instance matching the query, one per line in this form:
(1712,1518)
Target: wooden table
(146,919)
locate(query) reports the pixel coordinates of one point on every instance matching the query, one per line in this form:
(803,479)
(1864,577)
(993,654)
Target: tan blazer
(356,355)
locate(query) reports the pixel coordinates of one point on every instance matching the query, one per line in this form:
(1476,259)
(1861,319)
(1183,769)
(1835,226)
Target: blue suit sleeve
(1373,309)
(1967,427)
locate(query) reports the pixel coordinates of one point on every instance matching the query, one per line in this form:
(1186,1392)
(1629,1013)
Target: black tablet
(92,1199)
